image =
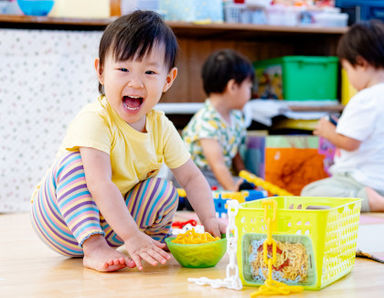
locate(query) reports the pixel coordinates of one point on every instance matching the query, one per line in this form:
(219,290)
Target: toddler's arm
(327,130)
(199,195)
(238,163)
(213,153)
(107,196)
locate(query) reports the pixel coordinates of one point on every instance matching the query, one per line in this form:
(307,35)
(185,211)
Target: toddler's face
(356,75)
(134,87)
(242,94)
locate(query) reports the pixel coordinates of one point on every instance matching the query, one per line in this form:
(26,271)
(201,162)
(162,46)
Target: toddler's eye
(123,69)
(149,72)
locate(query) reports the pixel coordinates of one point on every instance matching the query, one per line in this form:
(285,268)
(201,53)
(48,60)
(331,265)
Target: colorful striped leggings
(64,214)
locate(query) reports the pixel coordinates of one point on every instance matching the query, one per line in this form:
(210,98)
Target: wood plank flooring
(30,269)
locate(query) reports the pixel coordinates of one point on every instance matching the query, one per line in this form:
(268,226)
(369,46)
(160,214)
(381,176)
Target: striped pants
(64,214)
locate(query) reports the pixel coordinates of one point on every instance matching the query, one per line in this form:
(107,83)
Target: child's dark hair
(365,40)
(134,35)
(222,66)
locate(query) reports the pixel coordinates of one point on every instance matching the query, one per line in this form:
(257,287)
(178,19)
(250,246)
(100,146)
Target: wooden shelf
(197,41)
(180,28)
(36,22)
(250,29)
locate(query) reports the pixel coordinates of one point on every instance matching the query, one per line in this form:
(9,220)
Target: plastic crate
(233,12)
(326,227)
(297,78)
(362,10)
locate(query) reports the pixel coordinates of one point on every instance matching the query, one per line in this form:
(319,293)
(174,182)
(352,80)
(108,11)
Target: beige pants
(339,185)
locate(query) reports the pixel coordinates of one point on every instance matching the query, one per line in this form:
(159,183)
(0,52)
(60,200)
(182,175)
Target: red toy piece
(181,224)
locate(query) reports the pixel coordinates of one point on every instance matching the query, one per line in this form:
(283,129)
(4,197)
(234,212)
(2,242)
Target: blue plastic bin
(362,10)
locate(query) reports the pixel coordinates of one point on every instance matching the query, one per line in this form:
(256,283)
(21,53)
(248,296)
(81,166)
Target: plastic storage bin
(233,12)
(325,228)
(332,19)
(359,10)
(297,78)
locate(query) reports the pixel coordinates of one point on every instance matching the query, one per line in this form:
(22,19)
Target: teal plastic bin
(297,78)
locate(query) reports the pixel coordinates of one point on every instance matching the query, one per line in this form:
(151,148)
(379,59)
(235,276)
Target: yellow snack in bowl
(191,237)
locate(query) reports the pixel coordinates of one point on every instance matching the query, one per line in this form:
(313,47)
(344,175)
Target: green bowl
(202,255)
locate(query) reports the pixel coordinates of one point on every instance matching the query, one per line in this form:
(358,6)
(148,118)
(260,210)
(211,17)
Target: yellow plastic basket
(327,227)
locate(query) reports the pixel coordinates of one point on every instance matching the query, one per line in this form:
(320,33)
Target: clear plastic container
(3,6)
(328,19)
(280,15)
(275,15)
(233,12)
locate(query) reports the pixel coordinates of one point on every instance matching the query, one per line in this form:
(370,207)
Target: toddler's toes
(130,263)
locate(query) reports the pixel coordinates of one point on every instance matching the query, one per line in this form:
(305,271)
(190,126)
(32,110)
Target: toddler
(101,191)
(359,134)
(215,132)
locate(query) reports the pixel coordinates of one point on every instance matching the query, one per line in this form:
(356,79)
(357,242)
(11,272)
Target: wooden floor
(30,269)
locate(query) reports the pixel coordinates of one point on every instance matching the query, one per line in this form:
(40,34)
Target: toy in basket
(300,241)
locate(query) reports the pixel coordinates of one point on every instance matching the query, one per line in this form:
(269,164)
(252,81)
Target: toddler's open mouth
(132,103)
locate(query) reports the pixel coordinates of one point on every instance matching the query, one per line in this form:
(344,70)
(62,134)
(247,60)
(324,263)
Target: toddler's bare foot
(98,255)
(375,200)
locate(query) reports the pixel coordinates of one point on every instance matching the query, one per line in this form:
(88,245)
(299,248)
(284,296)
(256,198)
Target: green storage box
(297,78)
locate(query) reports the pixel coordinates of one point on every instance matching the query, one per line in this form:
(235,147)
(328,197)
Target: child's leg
(152,204)
(65,216)
(375,199)
(62,198)
(340,185)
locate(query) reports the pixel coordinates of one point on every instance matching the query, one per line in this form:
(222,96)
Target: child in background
(215,133)
(359,134)
(101,191)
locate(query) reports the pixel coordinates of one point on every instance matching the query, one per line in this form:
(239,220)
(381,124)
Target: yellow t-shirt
(135,156)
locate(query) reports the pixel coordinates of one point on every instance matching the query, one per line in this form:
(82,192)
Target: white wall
(45,78)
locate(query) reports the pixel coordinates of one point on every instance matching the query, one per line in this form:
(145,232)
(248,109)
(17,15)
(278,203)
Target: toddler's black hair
(134,35)
(222,66)
(366,40)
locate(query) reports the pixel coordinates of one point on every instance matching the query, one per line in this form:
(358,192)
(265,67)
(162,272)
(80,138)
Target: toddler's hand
(238,182)
(142,247)
(324,128)
(214,226)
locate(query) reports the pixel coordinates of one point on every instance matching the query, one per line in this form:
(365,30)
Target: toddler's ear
(360,61)
(231,86)
(170,79)
(99,70)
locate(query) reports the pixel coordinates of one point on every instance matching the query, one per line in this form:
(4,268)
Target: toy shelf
(197,41)
(184,28)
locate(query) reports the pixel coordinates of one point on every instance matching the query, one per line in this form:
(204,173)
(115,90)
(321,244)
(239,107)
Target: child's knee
(158,198)
(165,192)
